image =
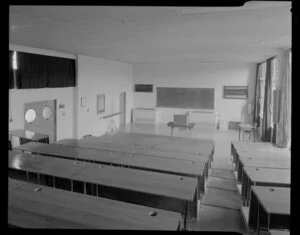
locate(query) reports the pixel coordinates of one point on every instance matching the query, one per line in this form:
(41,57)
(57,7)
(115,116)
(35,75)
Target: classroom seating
(269,208)
(250,131)
(163,191)
(263,177)
(36,206)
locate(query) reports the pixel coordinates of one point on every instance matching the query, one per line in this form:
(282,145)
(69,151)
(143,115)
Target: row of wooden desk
(162,191)
(35,206)
(264,173)
(163,175)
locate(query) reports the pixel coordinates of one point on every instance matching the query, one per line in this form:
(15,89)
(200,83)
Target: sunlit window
(15,65)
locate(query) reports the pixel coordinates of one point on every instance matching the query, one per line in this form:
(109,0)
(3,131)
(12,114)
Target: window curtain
(266,122)
(11,71)
(40,71)
(283,137)
(256,117)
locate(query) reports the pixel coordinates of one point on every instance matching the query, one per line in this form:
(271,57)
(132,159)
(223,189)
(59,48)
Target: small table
(245,126)
(190,126)
(29,136)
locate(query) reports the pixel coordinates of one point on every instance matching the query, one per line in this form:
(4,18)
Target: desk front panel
(30,209)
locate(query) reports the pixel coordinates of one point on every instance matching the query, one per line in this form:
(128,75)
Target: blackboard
(185,98)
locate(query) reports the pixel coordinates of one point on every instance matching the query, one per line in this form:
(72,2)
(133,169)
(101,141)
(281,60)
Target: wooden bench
(47,207)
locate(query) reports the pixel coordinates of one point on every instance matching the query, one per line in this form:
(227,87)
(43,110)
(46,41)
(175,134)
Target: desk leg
(185,214)
(239,134)
(172,131)
(84,187)
(258,220)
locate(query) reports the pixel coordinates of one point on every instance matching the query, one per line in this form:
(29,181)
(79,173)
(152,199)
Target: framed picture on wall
(235,92)
(100,103)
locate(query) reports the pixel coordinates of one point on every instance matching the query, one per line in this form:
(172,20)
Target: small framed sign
(235,92)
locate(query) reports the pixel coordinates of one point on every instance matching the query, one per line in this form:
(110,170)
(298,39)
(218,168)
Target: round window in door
(47,112)
(30,115)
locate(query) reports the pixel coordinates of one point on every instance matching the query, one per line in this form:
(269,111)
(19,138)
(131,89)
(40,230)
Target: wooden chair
(250,132)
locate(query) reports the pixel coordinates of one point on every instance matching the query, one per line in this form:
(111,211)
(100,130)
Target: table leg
(258,220)
(239,134)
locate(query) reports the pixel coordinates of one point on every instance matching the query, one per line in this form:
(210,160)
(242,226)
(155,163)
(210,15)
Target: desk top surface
(160,184)
(28,134)
(176,156)
(14,184)
(44,165)
(268,175)
(163,164)
(274,202)
(28,208)
(70,152)
(172,124)
(278,232)
(265,164)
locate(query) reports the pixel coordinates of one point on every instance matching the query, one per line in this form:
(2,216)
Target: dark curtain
(32,71)
(266,122)
(40,71)
(61,72)
(11,71)
(256,117)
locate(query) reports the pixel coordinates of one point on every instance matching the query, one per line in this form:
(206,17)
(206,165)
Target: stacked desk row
(156,190)
(263,172)
(114,154)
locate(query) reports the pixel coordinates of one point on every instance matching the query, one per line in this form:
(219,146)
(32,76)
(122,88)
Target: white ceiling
(156,34)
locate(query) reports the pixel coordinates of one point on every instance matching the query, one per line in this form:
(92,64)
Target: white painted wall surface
(101,76)
(202,75)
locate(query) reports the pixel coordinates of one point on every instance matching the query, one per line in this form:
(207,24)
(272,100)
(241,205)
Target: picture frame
(235,92)
(100,103)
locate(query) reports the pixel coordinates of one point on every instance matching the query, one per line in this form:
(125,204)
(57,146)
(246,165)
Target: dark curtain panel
(11,71)
(61,72)
(40,71)
(256,117)
(266,122)
(32,71)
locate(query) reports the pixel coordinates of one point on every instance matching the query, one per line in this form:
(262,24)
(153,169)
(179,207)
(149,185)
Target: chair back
(254,125)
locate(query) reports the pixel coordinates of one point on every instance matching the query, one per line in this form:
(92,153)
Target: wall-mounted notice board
(185,98)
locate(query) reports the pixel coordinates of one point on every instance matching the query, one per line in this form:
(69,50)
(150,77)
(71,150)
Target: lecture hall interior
(172,118)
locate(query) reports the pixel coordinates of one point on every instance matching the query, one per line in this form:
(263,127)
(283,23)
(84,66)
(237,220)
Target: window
(262,78)
(274,80)
(15,64)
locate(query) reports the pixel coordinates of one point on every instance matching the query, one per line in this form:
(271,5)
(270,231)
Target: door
(40,117)
(122,109)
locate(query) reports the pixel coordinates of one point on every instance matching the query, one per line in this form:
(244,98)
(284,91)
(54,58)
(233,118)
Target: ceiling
(156,34)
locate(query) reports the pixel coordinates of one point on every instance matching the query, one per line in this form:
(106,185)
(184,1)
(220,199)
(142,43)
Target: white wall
(18,97)
(202,75)
(96,76)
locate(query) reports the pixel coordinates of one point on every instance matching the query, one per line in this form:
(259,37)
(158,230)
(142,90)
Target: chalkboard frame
(182,93)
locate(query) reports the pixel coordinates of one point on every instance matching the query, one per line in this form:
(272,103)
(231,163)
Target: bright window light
(15,66)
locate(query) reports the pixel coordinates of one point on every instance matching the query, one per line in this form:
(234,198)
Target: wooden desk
(26,136)
(68,152)
(245,126)
(260,163)
(30,209)
(163,191)
(260,149)
(179,158)
(167,166)
(54,172)
(190,126)
(263,177)
(269,209)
